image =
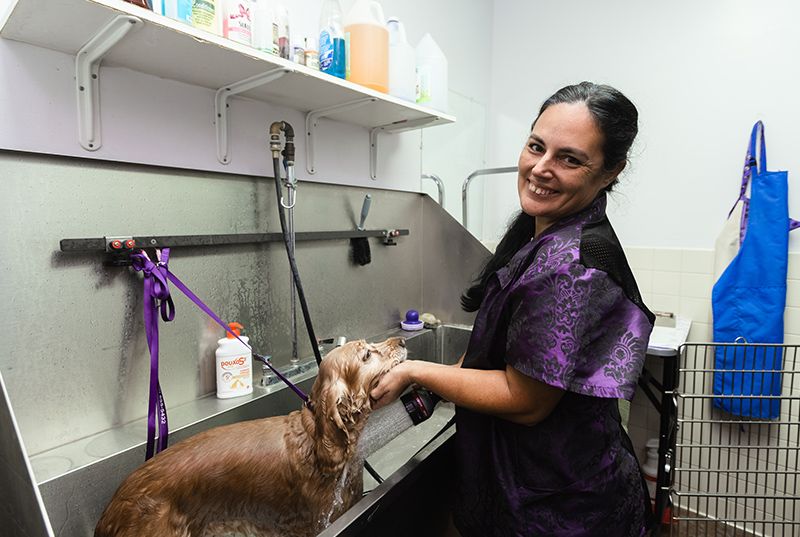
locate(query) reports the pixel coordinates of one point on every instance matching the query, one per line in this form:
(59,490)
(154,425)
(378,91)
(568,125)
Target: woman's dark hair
(617,118)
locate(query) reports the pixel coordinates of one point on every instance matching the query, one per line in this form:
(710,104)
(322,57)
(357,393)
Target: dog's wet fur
(287,476)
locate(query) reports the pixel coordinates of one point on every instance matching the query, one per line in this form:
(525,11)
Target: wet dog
(287,476)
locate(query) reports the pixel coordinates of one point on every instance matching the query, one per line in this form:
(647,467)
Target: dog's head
(340,395)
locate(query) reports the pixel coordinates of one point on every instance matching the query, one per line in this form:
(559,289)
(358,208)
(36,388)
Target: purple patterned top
(564,311)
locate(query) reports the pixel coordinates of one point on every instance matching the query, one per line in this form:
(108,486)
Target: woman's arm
(508,394)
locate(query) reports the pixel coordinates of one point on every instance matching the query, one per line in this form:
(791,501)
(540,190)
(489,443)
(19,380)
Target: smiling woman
(560,336)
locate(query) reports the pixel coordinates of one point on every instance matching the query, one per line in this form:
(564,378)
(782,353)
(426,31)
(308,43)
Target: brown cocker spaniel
(287,476)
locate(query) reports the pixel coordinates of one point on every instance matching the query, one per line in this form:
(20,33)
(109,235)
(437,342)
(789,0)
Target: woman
(560,335)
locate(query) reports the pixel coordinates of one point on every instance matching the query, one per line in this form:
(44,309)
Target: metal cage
(735,474)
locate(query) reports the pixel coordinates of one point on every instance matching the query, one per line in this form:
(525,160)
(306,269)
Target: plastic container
(332,48)
(402,62)
(207,15)
(284,41)
(265,27)
(234,365)
(367,45)
(312,54)
(431,74)
(180,10)
(237,21)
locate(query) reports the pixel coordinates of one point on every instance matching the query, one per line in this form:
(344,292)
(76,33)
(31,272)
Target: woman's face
(561,165)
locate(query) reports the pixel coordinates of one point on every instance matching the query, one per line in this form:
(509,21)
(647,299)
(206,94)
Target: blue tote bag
(749,297)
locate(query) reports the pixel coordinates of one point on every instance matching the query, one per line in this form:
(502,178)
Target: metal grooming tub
(736,475)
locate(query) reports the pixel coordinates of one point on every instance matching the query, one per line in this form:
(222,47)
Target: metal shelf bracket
(221,105)
(399,126)
(311,124)
(87,79)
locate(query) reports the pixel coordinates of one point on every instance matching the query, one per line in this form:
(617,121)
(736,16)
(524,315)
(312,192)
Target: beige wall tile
(640,258)
(666,283)
(701,261)
(791,321)
(794,265)
(793,293)
(668,259)
(696,309)
(696,285)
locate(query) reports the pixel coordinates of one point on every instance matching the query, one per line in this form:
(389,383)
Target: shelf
(170,49)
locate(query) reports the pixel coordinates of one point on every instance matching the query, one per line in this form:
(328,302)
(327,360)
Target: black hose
(276,167)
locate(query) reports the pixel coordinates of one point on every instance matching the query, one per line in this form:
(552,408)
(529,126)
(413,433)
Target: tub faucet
(336,341)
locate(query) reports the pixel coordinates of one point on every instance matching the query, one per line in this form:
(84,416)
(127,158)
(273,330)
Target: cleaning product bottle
(237,22)
(179,10)
(402,62)
(206,15)
(312,54)
(431,74)
(234,365)
(284,41)
(265,27)
(332,49)
(367,45)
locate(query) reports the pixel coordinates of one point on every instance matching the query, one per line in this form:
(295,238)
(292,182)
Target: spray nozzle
(419,404)
(236,328)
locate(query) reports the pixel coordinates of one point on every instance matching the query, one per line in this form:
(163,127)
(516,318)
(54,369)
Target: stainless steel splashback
(76,361)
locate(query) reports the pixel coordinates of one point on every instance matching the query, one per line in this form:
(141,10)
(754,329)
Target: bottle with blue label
(332,53)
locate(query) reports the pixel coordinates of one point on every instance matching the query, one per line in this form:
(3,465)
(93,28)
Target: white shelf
(173,50)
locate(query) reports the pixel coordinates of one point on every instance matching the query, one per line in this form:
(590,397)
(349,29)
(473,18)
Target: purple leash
(157,298)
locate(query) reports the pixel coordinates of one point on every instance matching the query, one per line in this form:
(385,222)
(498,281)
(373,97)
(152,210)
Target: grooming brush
(360,245)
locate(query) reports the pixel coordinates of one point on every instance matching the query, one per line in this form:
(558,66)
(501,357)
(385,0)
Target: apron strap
(750,161)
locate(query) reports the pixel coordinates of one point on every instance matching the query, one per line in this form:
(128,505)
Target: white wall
(150,120)
(701,73)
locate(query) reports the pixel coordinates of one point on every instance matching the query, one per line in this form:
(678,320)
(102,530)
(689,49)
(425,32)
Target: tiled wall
(680,281)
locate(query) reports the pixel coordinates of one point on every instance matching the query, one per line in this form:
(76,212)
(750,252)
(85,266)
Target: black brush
(360,245)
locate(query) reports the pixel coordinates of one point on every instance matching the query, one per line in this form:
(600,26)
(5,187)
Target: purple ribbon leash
(156,298)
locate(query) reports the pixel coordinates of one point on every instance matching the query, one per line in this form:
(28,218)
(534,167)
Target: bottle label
(203,14)
(239,25)
(424,84)
(325,50)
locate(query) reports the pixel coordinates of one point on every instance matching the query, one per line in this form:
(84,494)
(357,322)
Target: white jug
(431,74)
(402,62)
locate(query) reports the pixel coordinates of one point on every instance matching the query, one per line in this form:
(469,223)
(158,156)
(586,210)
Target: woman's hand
(392,385)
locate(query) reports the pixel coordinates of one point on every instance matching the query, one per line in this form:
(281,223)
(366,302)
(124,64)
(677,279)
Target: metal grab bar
(439,185)
(465,187)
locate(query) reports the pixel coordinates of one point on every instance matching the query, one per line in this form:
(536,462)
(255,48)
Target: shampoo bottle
(207,15)
(237,21)
(179,10)
(234,365)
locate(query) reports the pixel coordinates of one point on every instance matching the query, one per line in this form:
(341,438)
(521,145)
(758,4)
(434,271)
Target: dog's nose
(402,342)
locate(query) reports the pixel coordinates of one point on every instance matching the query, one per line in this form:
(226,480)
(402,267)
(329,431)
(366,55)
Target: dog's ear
(332,432)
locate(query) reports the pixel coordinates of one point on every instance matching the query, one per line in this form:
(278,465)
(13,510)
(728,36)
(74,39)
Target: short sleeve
(573,328)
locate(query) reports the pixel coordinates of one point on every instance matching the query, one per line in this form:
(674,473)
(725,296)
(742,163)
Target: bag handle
(750,161)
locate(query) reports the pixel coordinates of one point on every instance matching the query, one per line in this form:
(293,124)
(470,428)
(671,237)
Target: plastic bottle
(237,21)
(234,365)
(284,41)
(207,15)
(431,74)
(180,10)
(312,54)
(367,45)
(265,27)
(402,62)
(332,48)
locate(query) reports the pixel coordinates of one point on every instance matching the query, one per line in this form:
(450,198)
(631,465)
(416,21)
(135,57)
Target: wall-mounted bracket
(221,105)
(87,80)
(396,127)
(311,124)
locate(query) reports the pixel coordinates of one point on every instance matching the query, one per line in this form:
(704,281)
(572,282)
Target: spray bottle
(234,365)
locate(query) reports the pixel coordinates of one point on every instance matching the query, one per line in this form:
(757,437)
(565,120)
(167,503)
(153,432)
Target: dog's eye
(366,355)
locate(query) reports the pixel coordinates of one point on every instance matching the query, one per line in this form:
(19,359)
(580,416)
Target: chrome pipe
(439,185)
(468,180)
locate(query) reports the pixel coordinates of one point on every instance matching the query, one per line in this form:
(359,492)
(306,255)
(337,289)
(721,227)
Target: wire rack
(736,475)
